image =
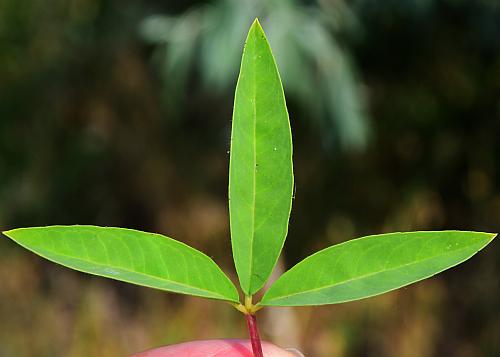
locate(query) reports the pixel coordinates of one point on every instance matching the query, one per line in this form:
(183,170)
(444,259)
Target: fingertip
(295,351)
(221,348)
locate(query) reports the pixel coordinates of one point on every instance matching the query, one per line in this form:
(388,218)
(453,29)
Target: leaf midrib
(254,168)
(39,251)
(364,276)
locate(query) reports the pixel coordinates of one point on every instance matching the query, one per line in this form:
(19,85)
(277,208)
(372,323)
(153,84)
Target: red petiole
(254,335)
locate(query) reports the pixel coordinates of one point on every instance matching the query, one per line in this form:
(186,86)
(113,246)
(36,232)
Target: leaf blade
(260,169)
(372,265)
(136,257)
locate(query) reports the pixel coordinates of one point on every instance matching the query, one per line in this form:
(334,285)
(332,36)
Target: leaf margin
(263,301)
(214,295)
(251,288)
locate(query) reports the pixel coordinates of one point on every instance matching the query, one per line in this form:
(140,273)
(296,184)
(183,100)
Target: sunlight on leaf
(260,173)
(372,265)
(128,255)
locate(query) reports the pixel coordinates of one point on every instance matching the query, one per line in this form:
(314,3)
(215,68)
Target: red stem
(254,335)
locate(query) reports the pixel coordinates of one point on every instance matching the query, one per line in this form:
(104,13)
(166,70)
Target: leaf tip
(256,26)
(8,233)
(487,236)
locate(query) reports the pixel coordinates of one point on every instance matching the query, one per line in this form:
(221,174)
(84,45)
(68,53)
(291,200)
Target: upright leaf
(372,265)
(260,173)
(128,255)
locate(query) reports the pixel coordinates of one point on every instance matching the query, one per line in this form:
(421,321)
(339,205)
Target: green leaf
(128,255)
(372,265)
(260,170)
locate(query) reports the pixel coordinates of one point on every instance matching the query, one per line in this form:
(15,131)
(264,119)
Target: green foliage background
(395,114)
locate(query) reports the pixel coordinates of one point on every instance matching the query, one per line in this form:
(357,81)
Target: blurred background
(118,113)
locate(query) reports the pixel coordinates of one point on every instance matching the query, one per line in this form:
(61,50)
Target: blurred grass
(86,136)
